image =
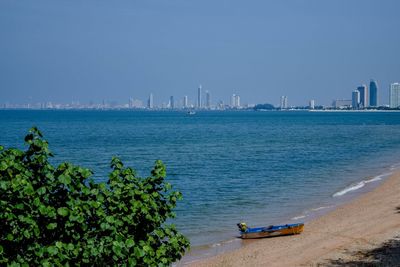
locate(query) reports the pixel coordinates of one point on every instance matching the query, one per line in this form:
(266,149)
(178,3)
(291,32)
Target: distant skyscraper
(363,95)
(394,95)
(150,102)
(185,101)
(171,102)
(208,100)
(284,102)
(233,99)
(199,104)
(355,99)
(237,101)
(373,93)
(312,104)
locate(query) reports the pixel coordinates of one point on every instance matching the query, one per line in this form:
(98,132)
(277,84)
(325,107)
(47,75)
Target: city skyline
(97,50)
(361,95)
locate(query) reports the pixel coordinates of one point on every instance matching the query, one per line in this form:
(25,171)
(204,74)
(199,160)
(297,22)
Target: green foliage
(264,107)
(57,216)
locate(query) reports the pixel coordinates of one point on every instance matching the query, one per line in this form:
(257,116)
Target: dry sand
(353,234)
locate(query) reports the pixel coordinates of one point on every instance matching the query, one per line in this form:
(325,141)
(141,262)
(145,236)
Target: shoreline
(364,222)
(342,196)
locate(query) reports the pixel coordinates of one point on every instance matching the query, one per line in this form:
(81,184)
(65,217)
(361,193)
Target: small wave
(349,189)
(223,243)
(359,185)
(395,167)
(320,208)
(298,217)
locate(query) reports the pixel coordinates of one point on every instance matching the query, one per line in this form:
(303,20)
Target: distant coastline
(203,110)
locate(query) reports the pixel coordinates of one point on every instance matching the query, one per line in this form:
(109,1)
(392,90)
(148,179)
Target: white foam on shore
(359,185)
(309,212)
(298,217)
(395,167)
(320,208)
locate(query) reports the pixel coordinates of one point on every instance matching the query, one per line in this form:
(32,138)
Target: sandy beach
(365,231)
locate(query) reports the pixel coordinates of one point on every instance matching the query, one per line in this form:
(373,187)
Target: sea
(261,168)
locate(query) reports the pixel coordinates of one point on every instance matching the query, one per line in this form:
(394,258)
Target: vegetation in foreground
(57,216)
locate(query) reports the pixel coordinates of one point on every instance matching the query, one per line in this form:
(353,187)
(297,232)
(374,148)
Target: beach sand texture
(353,234)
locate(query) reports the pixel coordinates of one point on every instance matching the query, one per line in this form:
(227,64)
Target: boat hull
(279,230)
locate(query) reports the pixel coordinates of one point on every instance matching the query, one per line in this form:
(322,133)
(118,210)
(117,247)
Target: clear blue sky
(72,50)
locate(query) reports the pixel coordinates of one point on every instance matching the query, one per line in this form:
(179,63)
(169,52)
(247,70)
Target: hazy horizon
(90,51)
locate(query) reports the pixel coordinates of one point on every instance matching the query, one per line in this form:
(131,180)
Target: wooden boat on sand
(270,231)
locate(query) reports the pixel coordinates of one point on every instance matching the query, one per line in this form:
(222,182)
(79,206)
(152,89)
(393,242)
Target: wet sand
(365,230)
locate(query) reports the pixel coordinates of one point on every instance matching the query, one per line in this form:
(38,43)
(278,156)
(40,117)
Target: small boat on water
(270,231)
(191,112)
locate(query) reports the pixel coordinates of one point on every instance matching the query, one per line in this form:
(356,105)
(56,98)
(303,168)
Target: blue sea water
(259,167)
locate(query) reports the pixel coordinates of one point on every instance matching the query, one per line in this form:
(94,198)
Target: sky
(94,50)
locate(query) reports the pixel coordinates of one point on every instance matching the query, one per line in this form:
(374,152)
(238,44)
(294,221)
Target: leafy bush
(57,216)
(264,107)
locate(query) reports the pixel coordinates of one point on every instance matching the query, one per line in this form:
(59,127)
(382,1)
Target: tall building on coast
(284,102)
(199,104)
(171,102)
(150,102)
(394,95)
(311,104)
(363,96)
(373,93)
(208,100)
(355,99)
(235,101)
(185,102)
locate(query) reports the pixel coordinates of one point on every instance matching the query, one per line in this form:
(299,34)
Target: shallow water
(258,167)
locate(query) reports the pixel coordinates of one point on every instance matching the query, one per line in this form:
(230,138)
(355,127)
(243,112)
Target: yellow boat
(270,231)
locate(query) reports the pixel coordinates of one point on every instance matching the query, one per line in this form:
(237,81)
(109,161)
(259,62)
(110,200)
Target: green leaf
(3,166)
(41,190)
(62,211)
(10,237)
(70,246)
(42,209)
(52,226)
(20,206)
(29,189)
(132,262)
(116,248)
(64,179)
(129,243)
(139,253)
(86,173)
(36,202)
(104,226)
(27,234)
(52,250)
(4,185)
(110,219)
(146,248)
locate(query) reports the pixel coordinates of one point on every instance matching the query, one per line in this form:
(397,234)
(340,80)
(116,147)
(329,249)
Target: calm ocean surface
(258,167)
